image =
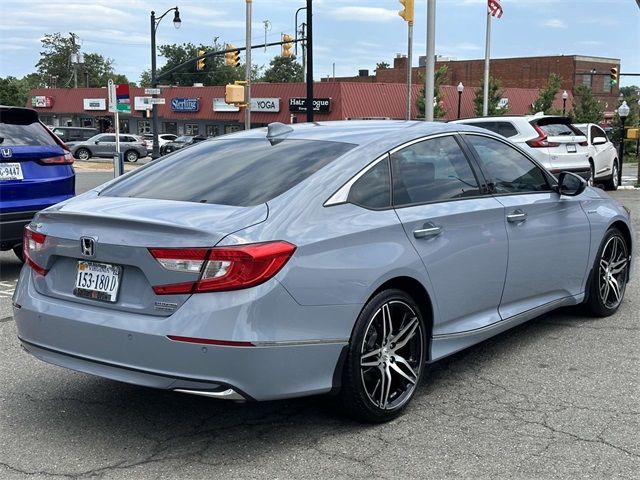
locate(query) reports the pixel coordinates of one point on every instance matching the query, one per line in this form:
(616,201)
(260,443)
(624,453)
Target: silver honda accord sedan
(336,257)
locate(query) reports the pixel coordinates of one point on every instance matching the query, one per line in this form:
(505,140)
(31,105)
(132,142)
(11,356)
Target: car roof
(357,132)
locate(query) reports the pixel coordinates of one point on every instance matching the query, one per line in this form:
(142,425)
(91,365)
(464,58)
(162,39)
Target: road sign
(152,91)
(111,90)
(157,101)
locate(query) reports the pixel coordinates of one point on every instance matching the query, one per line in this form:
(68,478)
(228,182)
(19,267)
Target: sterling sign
(320,105)
(185,104)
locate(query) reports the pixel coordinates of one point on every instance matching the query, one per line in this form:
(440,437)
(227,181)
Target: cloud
(554,23)
(364,14)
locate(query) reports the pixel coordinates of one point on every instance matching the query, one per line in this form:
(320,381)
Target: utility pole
(304,48)
(431,61)
(74,60)
(247,110)
(309,61)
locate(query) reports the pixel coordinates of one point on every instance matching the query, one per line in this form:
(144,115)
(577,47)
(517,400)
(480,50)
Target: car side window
(506,129)
(597,132)
(508,170)
(373,189)
(433,170)
(107,138)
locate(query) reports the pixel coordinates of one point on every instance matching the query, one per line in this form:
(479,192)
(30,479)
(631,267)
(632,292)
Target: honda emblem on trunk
(7,153)
(87,246)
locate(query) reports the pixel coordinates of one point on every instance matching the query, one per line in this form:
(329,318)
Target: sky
(352,34)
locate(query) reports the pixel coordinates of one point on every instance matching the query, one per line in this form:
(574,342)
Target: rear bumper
(11,228)
(134,348)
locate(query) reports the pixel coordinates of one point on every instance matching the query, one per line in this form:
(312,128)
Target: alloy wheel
(614,177)
(392,355)
(84,154)
(612,272)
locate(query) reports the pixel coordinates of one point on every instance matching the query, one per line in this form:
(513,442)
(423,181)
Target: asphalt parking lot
(558,397)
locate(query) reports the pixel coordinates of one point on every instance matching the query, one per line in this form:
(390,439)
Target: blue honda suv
(35,172)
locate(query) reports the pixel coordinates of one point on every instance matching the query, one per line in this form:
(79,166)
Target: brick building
(522,72)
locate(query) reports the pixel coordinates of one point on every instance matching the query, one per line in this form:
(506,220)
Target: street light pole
(154,108)
(460,89)
(623,112)
(247,110)
(309,61)
(565,95)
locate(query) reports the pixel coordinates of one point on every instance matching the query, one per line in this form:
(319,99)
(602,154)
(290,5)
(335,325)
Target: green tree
(382,65)
(215,72)
(495,95)
(55,67)
(283,70)
(546,96)
(586,108)
(631,96)
(438,110)
(15,91)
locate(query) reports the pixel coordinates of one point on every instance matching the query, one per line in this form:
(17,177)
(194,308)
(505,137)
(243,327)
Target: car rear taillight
(33,242)
(66,159)
(223,268)
(541,141)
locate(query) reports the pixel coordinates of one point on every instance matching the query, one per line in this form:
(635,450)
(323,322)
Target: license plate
(571,148)
(99,281)
(11,171)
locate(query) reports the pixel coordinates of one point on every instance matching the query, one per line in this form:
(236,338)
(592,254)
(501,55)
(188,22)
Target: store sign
(270,105)
(219,105)
(41,101)
(320,105)
(142,103)
(503,103)
(185,104)
(94,103)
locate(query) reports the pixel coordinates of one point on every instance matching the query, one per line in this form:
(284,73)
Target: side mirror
(570,184)
(97,142)
(598,140)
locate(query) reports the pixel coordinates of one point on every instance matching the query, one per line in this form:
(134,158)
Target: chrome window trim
(342,194)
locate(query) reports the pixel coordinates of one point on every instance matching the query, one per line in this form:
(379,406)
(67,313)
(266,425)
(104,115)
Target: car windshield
(239,172)
(183,138)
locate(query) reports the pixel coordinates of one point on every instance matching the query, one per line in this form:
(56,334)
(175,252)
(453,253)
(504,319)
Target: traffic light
(407,11)
(613,75)
(201,63)
(232,59)
(234,93)
(287,46)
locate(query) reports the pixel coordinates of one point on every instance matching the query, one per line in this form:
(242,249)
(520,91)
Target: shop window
(171,127)
(212,131)
(86,122)
(231,128)
(606,84)
(191,129)
(144,127)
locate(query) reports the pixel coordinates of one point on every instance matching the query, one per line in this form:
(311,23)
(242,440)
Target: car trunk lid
(114,234)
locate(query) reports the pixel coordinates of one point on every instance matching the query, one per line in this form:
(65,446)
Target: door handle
(428,230)
(517,216)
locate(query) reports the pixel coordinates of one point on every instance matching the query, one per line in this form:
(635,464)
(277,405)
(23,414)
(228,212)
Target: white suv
(603,156)
(551,140)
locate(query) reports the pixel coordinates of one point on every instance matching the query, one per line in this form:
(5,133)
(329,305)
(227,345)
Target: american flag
(495,9)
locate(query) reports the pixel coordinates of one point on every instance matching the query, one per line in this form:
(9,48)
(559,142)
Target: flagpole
(485,97)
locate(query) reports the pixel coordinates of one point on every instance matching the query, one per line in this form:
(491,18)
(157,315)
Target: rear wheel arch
(418,293)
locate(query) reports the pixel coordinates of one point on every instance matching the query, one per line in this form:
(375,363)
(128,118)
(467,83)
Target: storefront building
(203,111)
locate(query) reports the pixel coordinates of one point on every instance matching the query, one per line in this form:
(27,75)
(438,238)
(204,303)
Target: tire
(131,156)
(609,275)
(18,251)
(612,183)
(83,154)
(376,359)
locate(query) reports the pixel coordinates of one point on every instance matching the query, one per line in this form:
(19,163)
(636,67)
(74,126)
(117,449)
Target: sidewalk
(101,165)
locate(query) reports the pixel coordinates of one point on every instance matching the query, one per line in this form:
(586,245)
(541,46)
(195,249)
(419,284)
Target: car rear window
(239,172)
(21,127)
(557,128)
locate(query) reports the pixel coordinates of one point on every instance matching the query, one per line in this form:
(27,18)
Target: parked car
(104,145)
(603,156)
(74,134)
(35,172)
(163,139)
(551,140)
(180,142)
(336,257)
